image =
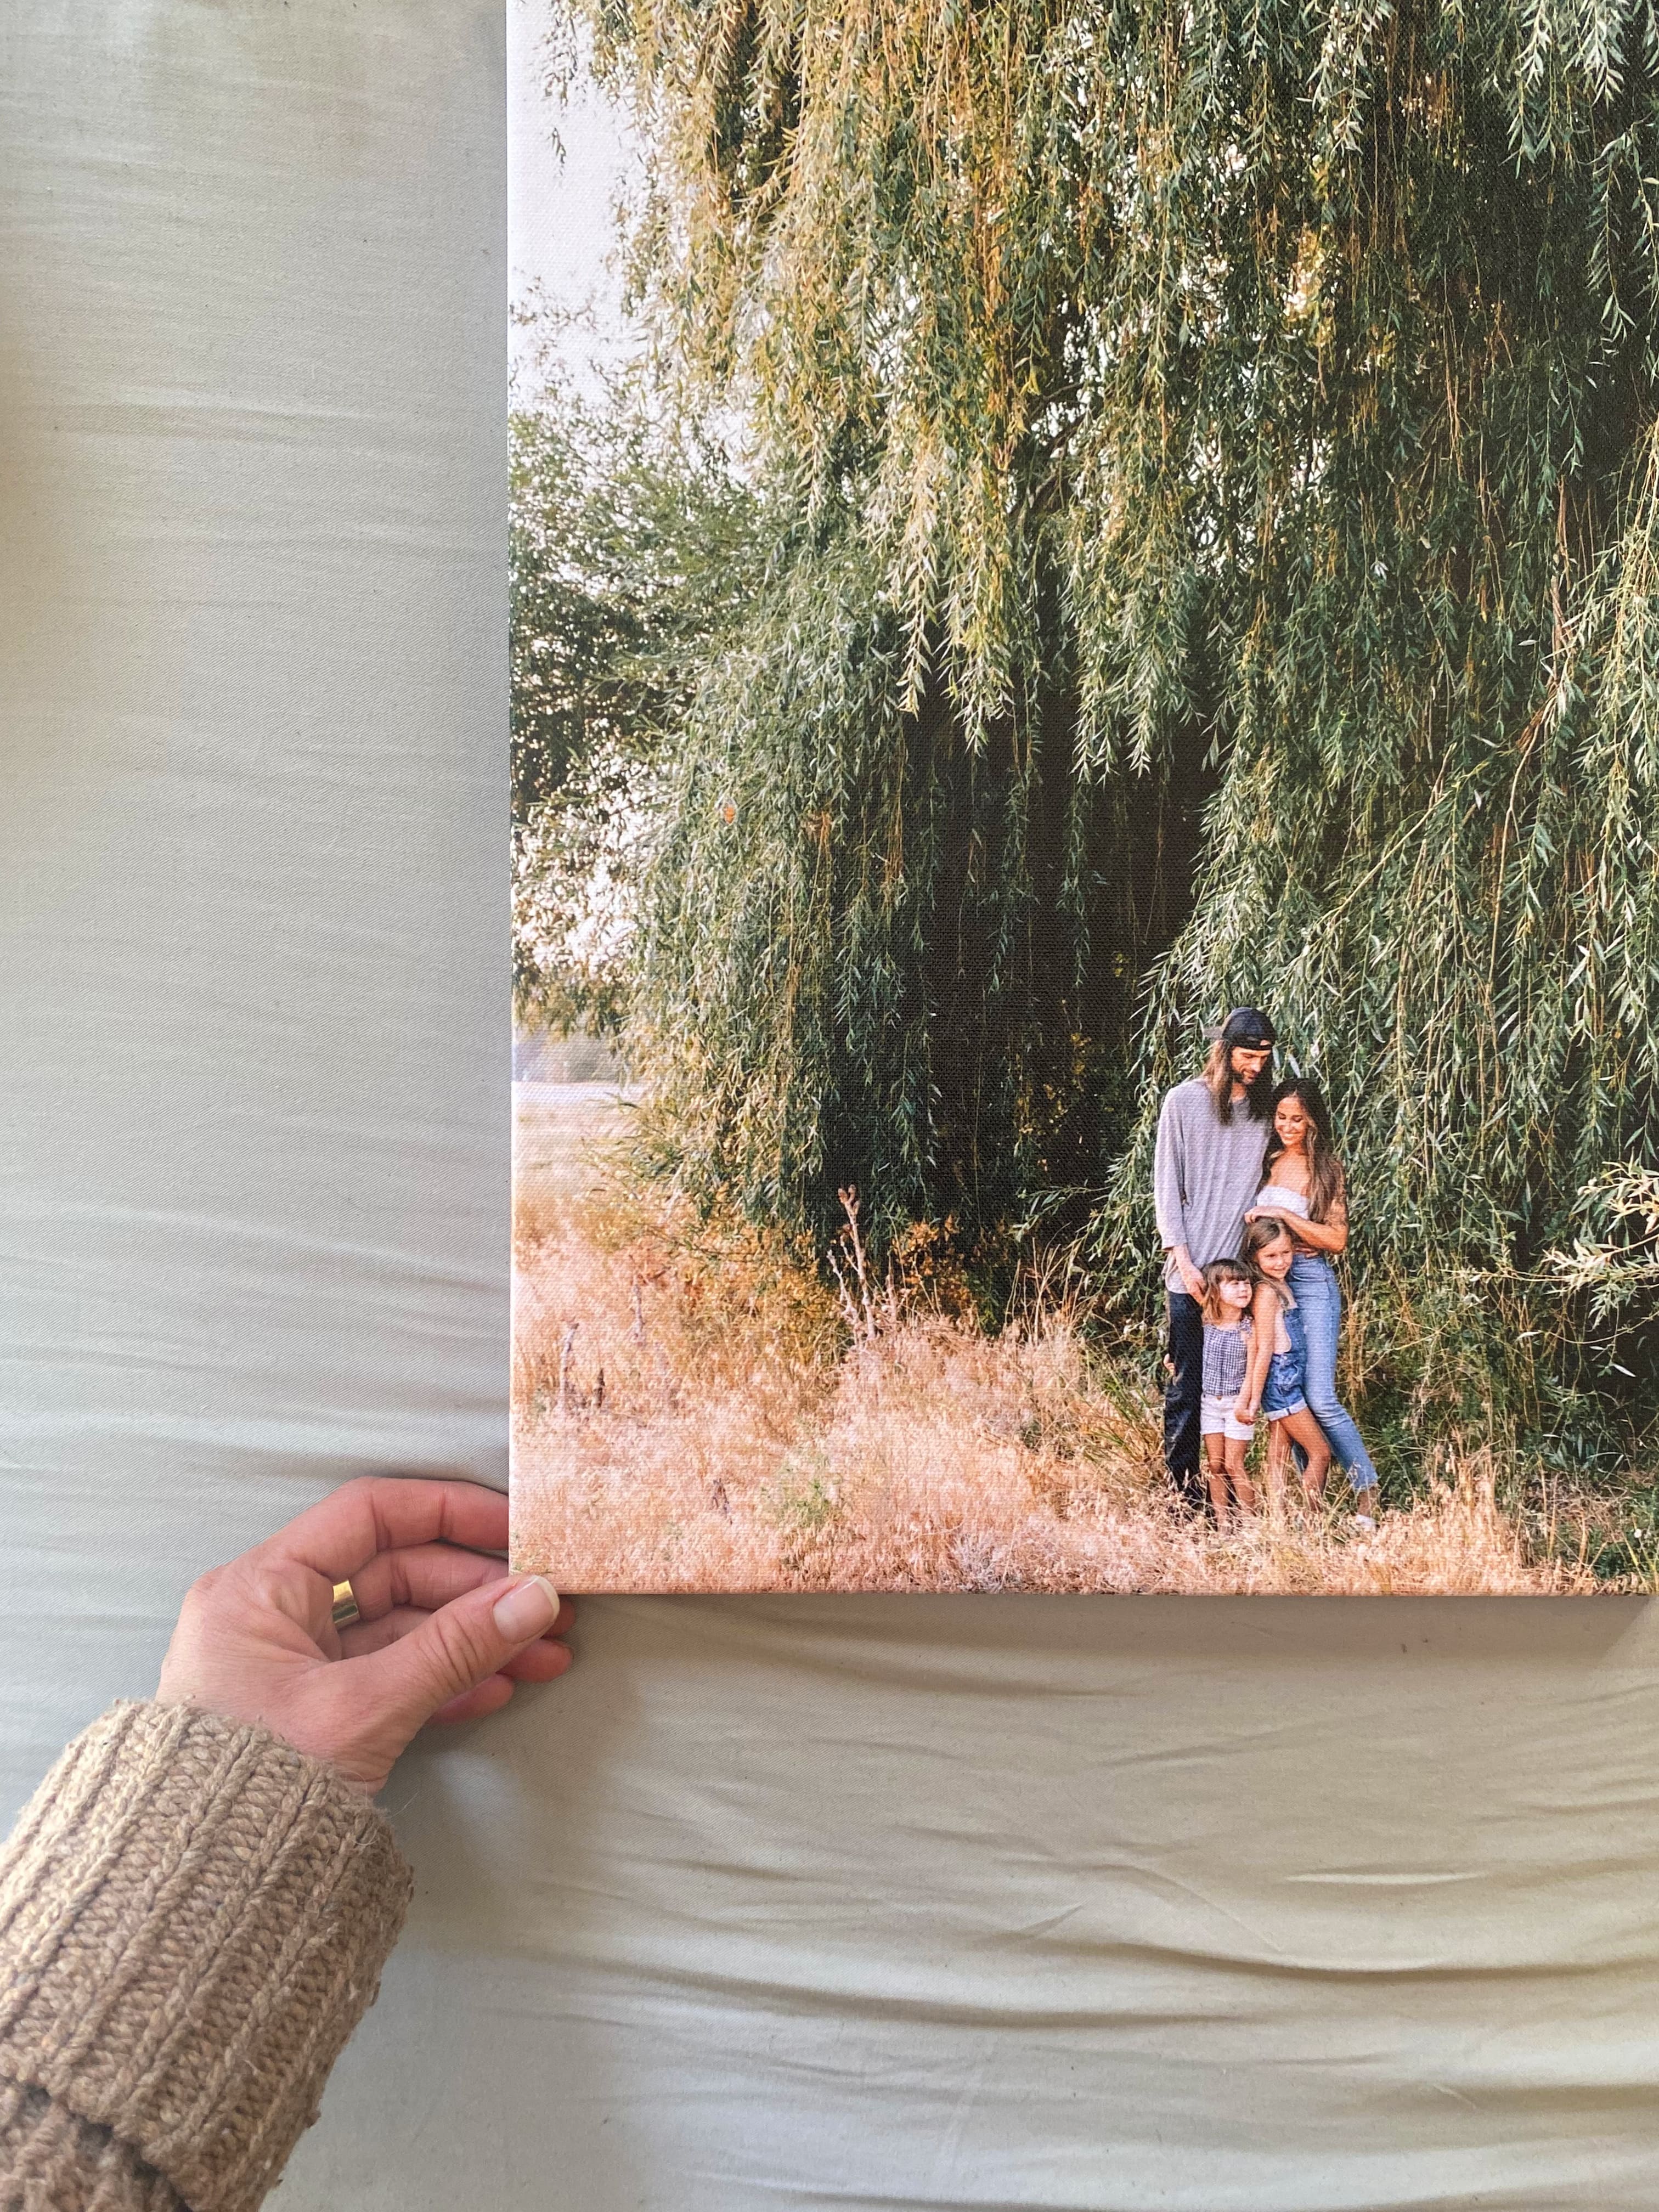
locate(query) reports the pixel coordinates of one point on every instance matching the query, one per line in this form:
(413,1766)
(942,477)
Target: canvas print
(1085,725)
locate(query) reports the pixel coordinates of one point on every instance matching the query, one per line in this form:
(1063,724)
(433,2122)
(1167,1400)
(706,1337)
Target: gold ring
(346,1607)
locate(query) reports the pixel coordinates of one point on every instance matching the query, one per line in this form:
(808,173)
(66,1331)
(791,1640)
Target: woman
(195,1906)
(1303,1185)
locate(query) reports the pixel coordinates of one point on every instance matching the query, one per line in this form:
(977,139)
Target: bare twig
(863,1316)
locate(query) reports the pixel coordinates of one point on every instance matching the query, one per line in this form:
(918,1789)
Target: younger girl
(1279,1355)
(1228,1292)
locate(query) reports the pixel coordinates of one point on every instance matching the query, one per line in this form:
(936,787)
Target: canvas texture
(1084,763)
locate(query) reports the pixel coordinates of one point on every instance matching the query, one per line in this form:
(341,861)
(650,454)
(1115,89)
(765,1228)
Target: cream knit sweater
(193,1918)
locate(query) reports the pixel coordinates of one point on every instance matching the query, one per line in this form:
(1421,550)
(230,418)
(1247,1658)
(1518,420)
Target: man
(1212,1133)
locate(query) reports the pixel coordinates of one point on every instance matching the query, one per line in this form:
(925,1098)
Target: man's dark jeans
(1183,1448)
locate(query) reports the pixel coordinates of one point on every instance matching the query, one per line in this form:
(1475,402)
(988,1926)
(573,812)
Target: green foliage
(1615,1257)
(631,546)
(861,960)
(1631,1556)
(1215,473)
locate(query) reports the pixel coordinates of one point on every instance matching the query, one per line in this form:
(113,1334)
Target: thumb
(460,1645)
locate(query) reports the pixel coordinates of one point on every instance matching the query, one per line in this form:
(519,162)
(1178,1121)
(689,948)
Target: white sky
(560,229)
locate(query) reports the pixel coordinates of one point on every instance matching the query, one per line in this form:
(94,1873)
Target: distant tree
(632,547)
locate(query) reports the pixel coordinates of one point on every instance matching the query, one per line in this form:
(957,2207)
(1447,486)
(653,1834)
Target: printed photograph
(1085,796)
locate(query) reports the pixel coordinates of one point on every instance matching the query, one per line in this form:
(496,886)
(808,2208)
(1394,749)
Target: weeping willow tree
(1221,448)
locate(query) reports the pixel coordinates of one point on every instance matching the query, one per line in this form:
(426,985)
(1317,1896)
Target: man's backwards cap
(1247,1026)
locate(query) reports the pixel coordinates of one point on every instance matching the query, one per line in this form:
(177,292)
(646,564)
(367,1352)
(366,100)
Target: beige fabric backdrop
(982,1902)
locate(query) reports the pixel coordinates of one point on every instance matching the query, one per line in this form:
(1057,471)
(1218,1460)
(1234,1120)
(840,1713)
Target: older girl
(1303,1187)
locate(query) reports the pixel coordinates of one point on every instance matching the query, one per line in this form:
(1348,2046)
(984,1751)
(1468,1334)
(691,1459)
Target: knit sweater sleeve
(193,1918)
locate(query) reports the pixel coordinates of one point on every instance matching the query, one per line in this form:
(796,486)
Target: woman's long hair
(1325,1183)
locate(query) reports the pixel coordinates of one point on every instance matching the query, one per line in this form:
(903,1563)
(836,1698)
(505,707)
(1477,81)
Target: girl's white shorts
(1215,1418)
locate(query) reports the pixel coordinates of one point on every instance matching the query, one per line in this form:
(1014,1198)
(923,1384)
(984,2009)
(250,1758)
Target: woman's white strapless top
(1273,1197)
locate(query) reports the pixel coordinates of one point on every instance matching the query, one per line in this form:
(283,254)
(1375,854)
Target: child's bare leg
(1303,1429)
(1273,1470)
(1279,1459)
(1214,1453)
(1244,1489)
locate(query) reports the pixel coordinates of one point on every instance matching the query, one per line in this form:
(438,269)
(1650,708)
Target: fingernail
(529,1609)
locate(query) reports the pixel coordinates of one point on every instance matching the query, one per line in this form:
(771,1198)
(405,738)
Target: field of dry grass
(696,1415)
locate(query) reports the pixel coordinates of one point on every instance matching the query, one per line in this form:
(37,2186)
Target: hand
(1191,1280)
(445,1632)
(1291,1223)
(1244,1413)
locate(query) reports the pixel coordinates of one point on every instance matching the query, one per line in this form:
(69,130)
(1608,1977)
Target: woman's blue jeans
(1317,1292)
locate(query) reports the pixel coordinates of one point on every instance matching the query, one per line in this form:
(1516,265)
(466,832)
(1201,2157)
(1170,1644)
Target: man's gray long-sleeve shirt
(1204,1173)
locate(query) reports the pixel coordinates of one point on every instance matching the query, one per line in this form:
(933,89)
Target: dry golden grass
(688,1416)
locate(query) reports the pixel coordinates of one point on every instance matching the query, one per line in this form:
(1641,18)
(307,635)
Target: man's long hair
(1326,1184)
(1218,1076)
